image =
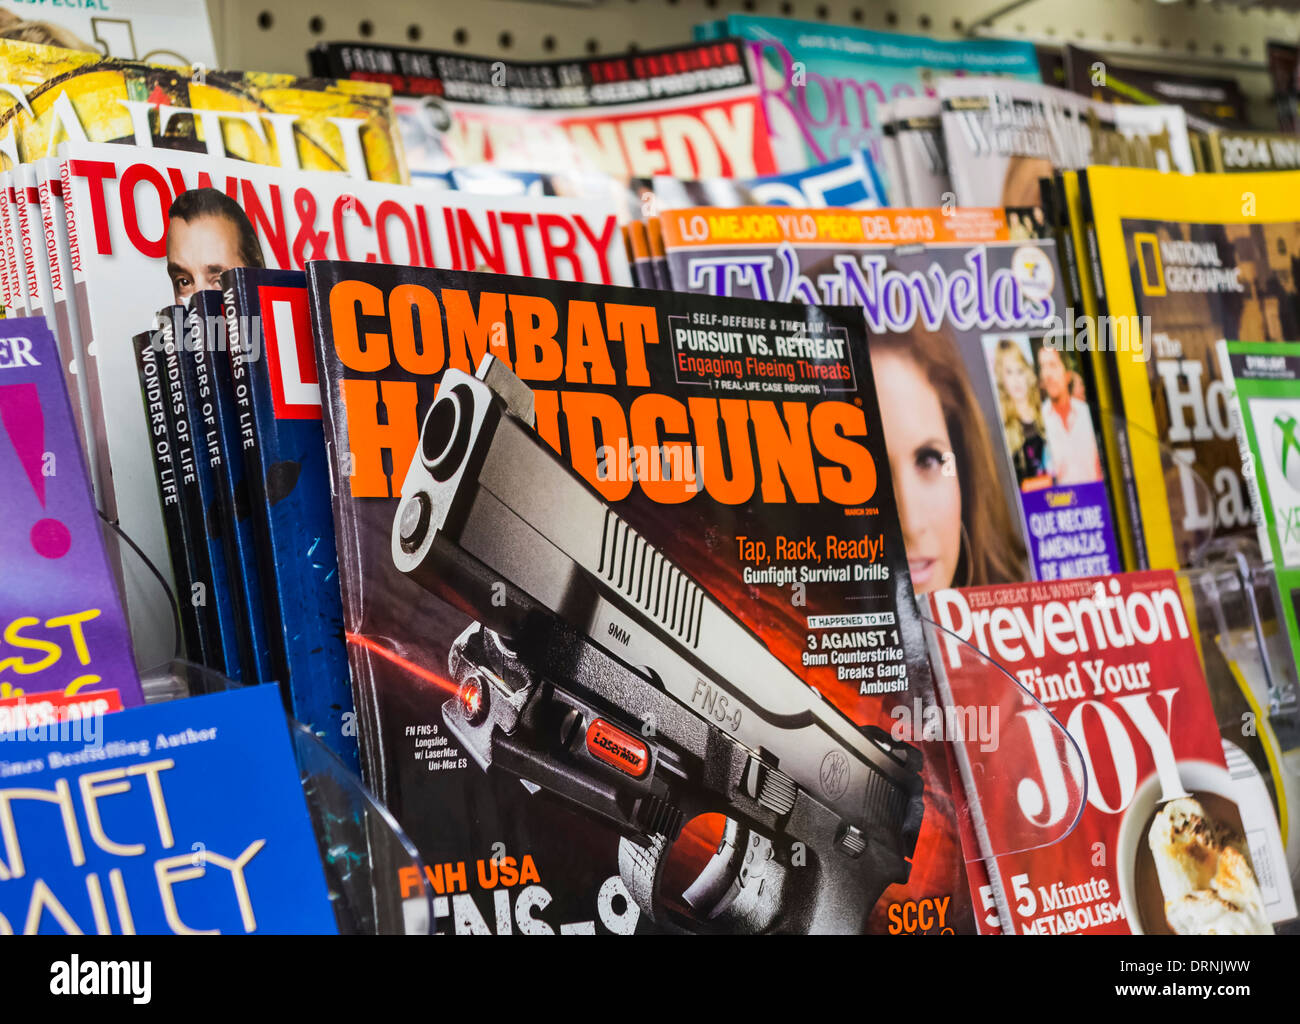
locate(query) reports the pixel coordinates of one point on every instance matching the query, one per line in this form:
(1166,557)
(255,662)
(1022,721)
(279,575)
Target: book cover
(669,599)
(1185,262)
(978,385)
(1159,847)
(150,227)
(820,84)
(64,628)
(202,799)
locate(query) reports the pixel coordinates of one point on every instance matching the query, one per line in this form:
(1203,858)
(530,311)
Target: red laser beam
(416,670)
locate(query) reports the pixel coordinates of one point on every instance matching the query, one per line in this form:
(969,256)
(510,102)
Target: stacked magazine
(801,480)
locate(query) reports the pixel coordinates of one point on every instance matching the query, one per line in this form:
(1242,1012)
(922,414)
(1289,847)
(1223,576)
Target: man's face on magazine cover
(1051,373)
(199,251)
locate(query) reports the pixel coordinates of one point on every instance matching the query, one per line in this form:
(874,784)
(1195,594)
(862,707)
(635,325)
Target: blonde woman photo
(1022,413)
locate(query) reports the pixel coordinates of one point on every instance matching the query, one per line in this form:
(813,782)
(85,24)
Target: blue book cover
(233,505)
(176,818)
(273,368)
(820,84)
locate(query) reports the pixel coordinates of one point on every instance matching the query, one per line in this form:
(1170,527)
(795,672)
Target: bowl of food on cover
(1183,864)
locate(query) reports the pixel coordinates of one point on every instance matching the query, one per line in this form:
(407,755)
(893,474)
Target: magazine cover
(681,654)
(149,228)
(820,84)
(1183,262)
(851,182)
(1253,151)
(1251,680)
(891,166)
(1002,137)
(210,831)
(1265,398)
(1159,847)
(975,380)
(916,126)
(1206,98)
(53,95)
(165,31)
(1282,59)
(688,111)
(282,452)
(64,625)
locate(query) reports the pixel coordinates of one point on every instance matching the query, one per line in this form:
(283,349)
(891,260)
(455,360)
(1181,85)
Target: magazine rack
(375,877)
(130,564)
(1022,782)
(1232,602)
(363,850)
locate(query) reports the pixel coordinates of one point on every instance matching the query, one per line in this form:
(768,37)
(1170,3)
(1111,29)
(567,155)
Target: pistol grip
(641,868)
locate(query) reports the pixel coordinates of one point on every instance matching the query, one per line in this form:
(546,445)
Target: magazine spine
(365,692)
(1110,366)
(234,306)
(1249,462)
(50,191)
(309,652)
(233,506)
(221,609)
(153,390)
(9,215)
(201,597)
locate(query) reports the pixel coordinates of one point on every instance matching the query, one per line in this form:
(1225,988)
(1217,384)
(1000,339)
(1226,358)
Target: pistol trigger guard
(741,885)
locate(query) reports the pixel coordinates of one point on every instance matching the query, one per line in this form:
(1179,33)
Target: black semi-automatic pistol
(603,673)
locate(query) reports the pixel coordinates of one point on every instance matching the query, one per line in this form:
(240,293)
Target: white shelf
(274,35)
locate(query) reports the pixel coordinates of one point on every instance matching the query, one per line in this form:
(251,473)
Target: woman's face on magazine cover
(1014,376)
(929,500)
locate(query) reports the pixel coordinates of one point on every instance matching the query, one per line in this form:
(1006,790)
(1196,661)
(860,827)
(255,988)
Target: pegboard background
(274,35)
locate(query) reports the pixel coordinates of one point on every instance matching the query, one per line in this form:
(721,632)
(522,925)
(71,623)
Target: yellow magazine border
(1120,193)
